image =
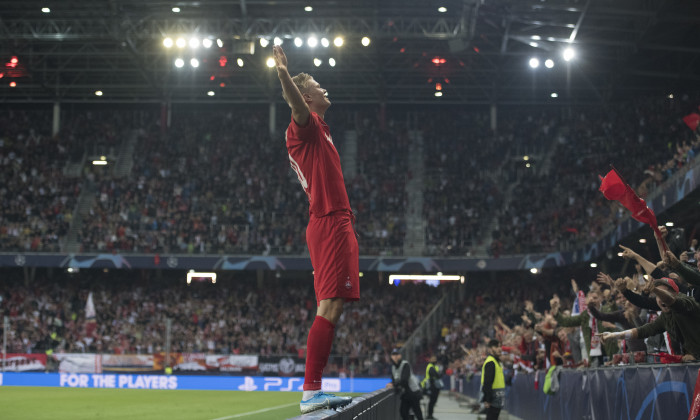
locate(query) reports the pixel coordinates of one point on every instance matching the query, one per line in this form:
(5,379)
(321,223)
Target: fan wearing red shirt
(330,234)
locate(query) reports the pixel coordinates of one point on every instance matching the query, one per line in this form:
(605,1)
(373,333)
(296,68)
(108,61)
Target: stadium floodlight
(554,95)
(528,165)
(168,42)
(325,43)
(240,62)
(312,42)
(264,42)
(308,9)
(175,9)
(181,42)
(534,62)
(277,41)
(526,158)
(619,254)
(317,62)
(424,277)
(534,44)
(198,276)
(568,54)
(98,93)
(438,94)
(534,270)
(338,41)
(366,41)
(45,10)
(442,9)
(298,42)
(211,93)
(331,62)
(535,37)
(669,224)
(642,241)
(207,43)
(194,42)
(549,63)
(594,265)
(219,43)
(194,63)
(99,162)
(179,62)
(670,96)
(270,62)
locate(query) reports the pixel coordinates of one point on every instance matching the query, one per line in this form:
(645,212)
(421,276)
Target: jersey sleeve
(309,132)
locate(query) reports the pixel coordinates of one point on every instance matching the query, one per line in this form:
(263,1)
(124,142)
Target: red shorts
(335,256)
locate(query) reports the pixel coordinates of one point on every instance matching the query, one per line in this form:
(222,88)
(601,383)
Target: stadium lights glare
(176,10)
(670,96)
(308,9)
(568,54)
(181,43)
(331,62)
(196,275)
(535,37)
(179,62)
(240,62)
(99,162)
(46,10)
(338,41)
(325,43)
(365,41)
(168,42)
(642,241)
(527,165)
(619,254)
(207,43)
(312,42)
(264,42)
(549,63)
(669,224)
(194,63)
(270,62)
(438,94)
(534,44)
(194,43)
(317,62)
(98,93)
(211,93)
(526,158)
(277,41)
(554,95)
(423,277)
(219,43)
(13,84)
(442,9)
(298,42)
(594,265)
(534,270)
(534,63)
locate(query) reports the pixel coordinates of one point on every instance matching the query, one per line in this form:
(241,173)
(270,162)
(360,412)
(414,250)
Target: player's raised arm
(300,110)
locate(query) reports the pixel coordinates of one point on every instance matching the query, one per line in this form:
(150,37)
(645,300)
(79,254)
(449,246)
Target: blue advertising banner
(615,393)
(206,383)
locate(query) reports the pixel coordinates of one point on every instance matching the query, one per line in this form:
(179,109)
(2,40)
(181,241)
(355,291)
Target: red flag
(614,188)
(695,409)
(90,316)
(692,120)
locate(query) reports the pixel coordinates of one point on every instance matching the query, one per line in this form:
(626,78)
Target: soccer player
(330,234)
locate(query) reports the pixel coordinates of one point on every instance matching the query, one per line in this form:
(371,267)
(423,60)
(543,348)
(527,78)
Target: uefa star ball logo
(286,365)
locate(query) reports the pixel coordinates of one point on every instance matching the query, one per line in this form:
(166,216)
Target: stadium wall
(631,392)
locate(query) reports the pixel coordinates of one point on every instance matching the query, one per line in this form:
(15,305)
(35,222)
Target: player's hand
(487,405)
(574,285)
(606,336)
(280,57)
(663,231)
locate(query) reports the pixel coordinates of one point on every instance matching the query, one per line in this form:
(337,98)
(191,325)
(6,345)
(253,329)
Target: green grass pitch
(37,403)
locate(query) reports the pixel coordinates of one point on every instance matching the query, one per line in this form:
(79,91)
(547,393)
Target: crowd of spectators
(556,204)
(233,316)
(220,183)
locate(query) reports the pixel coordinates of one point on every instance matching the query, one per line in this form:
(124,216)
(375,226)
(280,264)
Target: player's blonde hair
(302,81)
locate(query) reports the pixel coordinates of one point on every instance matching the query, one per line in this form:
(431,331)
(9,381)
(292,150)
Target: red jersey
(316,162)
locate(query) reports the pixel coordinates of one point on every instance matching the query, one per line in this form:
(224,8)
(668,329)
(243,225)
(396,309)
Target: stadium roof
(477,50)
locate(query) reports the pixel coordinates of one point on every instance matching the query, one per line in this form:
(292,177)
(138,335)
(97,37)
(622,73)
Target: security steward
(430,385)
(493,384)
(406,385)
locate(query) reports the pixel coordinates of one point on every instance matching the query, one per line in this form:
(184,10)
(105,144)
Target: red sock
(318,348)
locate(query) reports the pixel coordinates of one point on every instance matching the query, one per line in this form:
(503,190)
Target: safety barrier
(631,392)
(378,405)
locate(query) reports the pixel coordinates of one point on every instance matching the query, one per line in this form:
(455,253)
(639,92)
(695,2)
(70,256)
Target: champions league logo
(286,366)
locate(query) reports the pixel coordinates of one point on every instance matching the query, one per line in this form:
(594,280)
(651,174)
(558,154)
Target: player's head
(314,95)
